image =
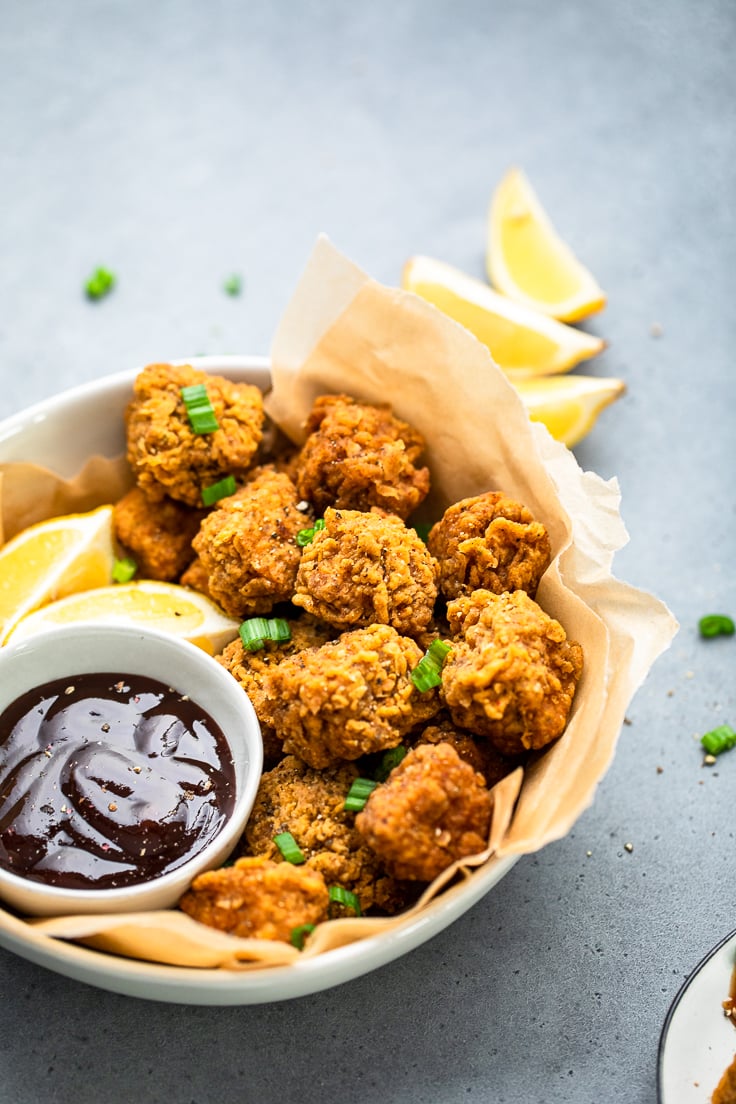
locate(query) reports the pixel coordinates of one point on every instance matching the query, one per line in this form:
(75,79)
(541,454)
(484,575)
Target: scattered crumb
(588,854)
(660,770)
(689,674)
(709,760)
(670,693)
(628,847)
(656,329)
(628,721)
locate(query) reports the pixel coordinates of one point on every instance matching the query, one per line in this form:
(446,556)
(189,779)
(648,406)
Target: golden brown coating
(247,544)
(196,577)
(310,804)
(478,752)
(166,455)
(725,1092)
(157,534)
(258,899)
(433,809)
(347,698)
(489,542)
(249,669)
(367,568)
(512,674)
(358,455)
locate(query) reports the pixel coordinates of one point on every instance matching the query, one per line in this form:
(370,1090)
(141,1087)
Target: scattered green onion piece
(422,529)
(428,672)
(341,896)
(216,491)
(299,934)
(289,848)
(306,536)
(719,739)
(100,283)
(233,285)
(200,412)
(124,569)
(390,759)
(257,630)
(716,624)
(359,792)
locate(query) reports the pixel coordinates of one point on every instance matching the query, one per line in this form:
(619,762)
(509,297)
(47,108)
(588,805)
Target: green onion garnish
(342,896)
(428,671)
(216,491)
(359,792)
(719,739)
(289,848)
(100,283)
(716,624)
(124,569)
(200,412)
(306,536)
(257,630)
(299,934)
(233,285)
(389,760)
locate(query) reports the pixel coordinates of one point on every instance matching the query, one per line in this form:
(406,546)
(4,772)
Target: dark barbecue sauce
(108,780)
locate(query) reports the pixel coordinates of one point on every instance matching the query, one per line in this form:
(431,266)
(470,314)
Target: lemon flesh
(522,341)
(54,558)
(528,260)
(165,607)
(568,406)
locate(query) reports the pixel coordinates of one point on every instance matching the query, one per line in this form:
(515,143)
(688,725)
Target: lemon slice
(54,558)
(522,341)
(528,261)
(568,405)
(149,604)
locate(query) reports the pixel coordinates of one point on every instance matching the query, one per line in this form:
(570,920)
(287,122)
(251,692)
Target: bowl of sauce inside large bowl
(129,763)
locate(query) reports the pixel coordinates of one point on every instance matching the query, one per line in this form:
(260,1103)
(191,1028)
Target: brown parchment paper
(344,332)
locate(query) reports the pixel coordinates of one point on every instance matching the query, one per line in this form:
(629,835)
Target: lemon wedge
(522,341)
(54,558)
(528,261)
(568,405)
(166,607)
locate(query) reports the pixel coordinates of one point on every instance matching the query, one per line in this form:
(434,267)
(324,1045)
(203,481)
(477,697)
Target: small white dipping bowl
(86,649)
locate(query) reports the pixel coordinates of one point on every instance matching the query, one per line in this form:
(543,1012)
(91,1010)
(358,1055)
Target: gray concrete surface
(179,141)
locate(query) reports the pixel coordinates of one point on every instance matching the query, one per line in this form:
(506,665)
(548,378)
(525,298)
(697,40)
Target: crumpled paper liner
(344,332)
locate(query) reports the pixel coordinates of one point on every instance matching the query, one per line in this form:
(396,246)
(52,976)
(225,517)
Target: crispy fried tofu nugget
(433,809)
(478,752)
(249,669)
(166,455)
(358,455)
(258,899)
(347,698)
(489,542)
(157,534)
(310,804)
(512,673)
(365,569)
(247,544)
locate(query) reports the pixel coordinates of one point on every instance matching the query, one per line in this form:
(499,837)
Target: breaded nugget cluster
(319,537)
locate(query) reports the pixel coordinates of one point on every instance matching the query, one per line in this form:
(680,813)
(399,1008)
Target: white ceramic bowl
(67,653)
(61,433)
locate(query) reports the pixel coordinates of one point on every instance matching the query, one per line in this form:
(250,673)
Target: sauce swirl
(109,781)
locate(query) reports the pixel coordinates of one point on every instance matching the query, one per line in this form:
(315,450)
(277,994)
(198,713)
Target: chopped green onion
(216,491)
(359,792)
(289,848)
(306,536)
(422,529)
(100,283)
(200,412)
(716,624)
(390,759)
(233,285)
(299,934)
(124,569)
(257,630)
(719,739)
(341,896)
(428,672)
